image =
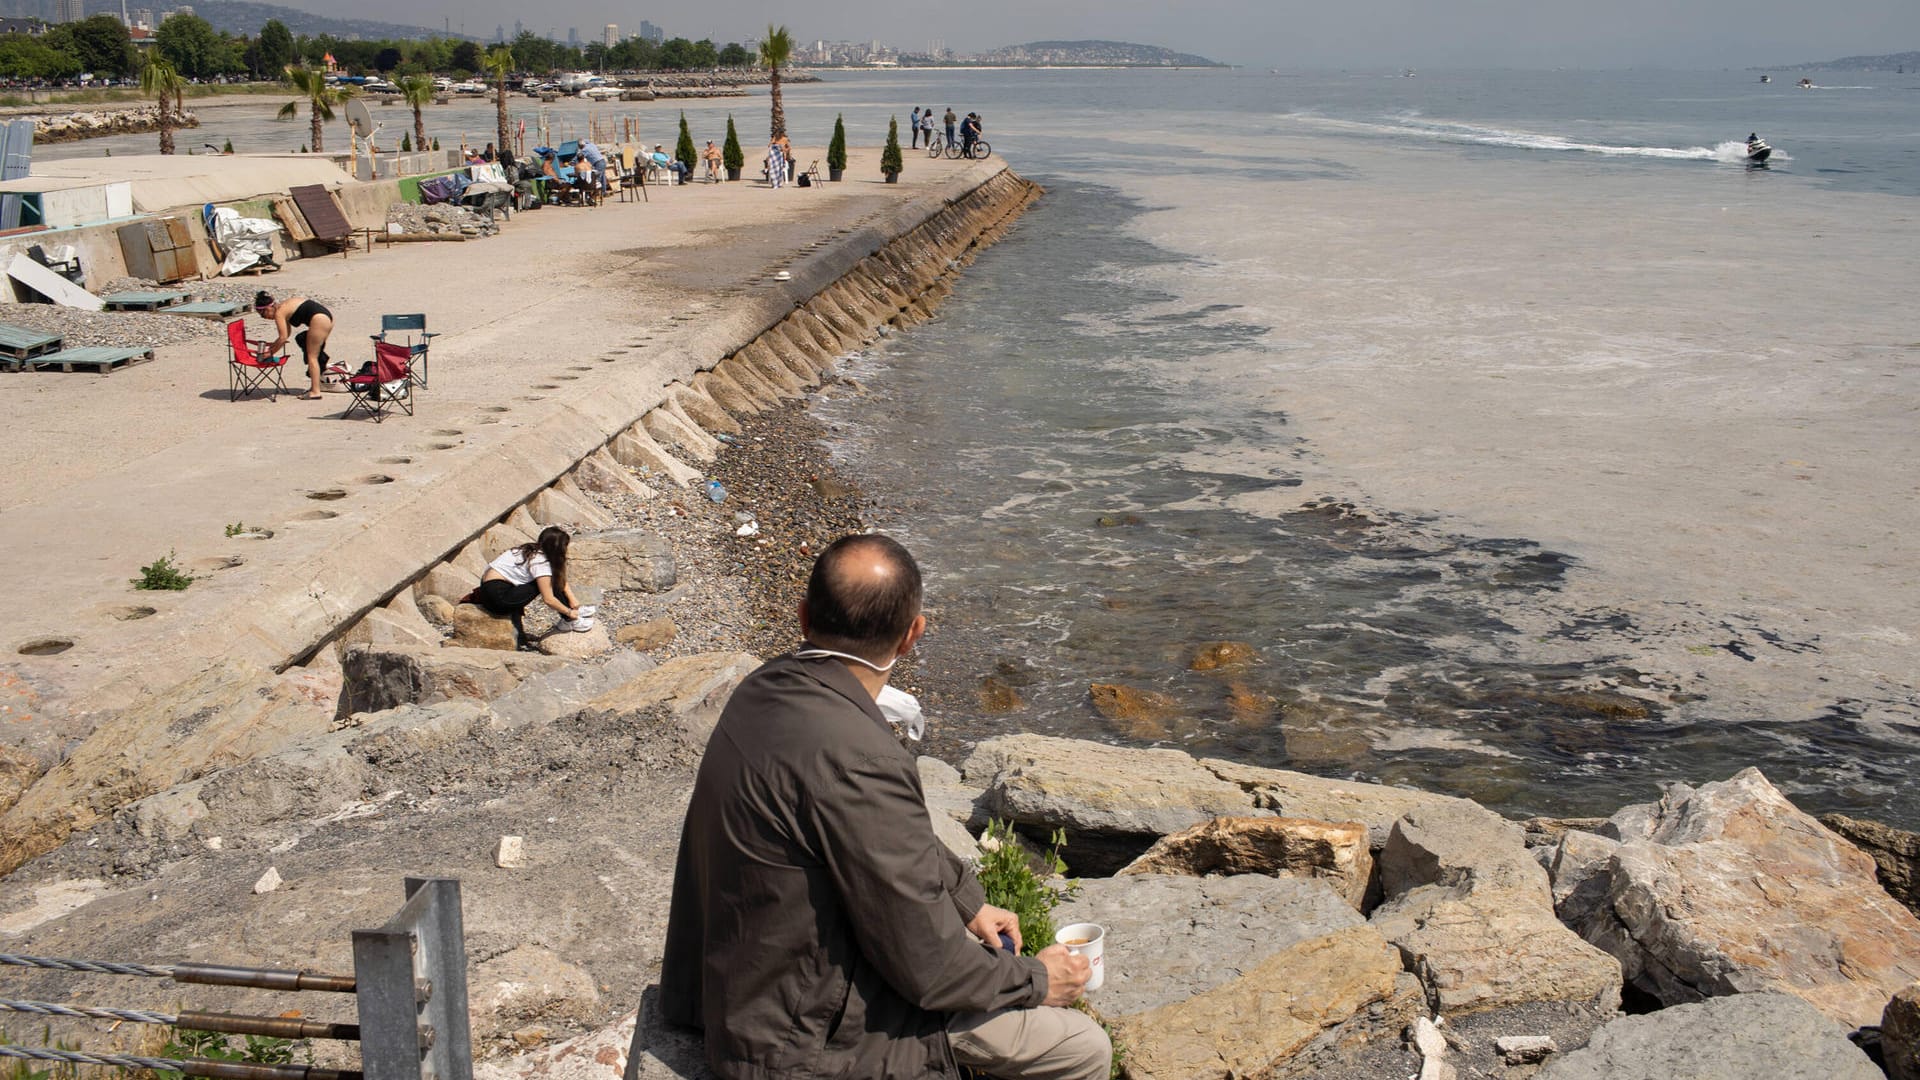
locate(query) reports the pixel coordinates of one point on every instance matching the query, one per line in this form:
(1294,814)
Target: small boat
(1757,150)
(1408,75)
(1806,84)
(1766,78)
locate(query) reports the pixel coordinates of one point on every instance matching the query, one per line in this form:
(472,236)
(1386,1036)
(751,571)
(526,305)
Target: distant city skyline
(1384,33)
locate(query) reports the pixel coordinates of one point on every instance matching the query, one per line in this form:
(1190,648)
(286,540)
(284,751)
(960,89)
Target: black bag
(805,180)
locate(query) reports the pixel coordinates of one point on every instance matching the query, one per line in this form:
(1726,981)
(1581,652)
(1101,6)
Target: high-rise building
(500,34)
(518,29)
(70,11)
(611,35)
(651,32)
(573,36)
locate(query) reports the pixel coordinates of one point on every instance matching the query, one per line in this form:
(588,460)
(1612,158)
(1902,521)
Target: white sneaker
(578,626)
(587,610)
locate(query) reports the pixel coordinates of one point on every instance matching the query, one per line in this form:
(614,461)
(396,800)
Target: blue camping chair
(417,338)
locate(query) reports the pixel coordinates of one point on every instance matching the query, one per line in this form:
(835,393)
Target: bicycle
(935,144)
(979,151)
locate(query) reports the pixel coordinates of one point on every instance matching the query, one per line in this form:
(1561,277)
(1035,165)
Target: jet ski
(1757,149)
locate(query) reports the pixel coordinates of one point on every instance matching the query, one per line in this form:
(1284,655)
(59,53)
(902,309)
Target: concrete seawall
(152,690)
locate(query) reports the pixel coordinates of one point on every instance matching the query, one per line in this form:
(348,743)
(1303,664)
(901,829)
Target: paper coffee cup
(1088,940)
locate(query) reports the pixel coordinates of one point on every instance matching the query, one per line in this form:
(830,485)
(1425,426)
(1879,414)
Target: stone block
(1490,948)
(687,692)
(447,582)
(636,559)
(674,433)
(651,634)
(1277,847)
(1728,888)
(474,627)
(555,507)
(1456,846)
(544,698)
(577,644)
(636,449)
(1731,1038)
(1294,794)
(529,983)
(1900,1034)
(1114,802)
(382,678)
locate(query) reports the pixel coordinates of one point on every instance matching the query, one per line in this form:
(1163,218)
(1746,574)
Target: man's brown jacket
(818,928)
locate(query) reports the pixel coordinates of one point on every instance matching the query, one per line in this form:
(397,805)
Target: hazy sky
(1302,33)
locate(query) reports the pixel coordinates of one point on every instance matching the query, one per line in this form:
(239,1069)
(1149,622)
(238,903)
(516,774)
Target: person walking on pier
(817,925)
(317,322)
(913,124)
(521,574)
(950,118)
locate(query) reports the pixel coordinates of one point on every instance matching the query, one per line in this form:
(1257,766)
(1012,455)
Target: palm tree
(500,62)
(160,81)
(320,97)
(419,91)
(775,51)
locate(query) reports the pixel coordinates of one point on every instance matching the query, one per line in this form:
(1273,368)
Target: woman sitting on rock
(299,311)
(522,573)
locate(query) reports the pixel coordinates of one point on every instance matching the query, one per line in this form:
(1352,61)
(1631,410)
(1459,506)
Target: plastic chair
(418,337)
(386,385)
(248,369)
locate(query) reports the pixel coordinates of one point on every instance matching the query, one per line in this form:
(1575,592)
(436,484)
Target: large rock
(1490,948)
(1730,889)
(1900,1035)
(474,627)
(1294,794)
(1732,1038)
(950,803)
(621,559)
(1254,1025)
(1113,802)
(230,713)
(687,692)
(1277,847)
(1472,914)
(378,678)
(547,697)
(577,644)
(1895,852)
(1171,937)
(528,984)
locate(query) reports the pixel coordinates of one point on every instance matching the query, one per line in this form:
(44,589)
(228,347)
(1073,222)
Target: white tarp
(245,240)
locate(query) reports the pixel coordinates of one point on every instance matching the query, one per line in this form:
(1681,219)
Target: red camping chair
(385,385)
(248,369)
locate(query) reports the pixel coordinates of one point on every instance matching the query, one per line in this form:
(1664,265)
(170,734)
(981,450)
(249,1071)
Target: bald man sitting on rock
(818,928)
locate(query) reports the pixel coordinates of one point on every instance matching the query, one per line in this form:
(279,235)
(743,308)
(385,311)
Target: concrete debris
(268,882)
(511,853)
(1525,1049)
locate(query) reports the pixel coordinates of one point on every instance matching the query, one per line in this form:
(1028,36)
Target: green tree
(735,55)
(276,47)
(837,148)
(320,98)
(533,53)
(730,152)
(159,81)
(191,45)
(676,54)
(387,59)
(468,57)
(500,63)
(99,43)
(419,91)
(891,164)
(683,149)
(704,55)
(24,57)
(775,51)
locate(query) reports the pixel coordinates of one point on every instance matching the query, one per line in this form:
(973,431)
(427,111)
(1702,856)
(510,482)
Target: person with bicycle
(969,133)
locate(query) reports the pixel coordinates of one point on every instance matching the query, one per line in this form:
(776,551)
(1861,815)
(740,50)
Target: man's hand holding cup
(1067,975)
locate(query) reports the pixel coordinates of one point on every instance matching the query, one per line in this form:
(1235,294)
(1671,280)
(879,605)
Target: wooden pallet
(104,359)
(19,344)
(207,309)
(142,301)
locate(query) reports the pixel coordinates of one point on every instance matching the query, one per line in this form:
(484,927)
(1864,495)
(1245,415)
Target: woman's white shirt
(520,570)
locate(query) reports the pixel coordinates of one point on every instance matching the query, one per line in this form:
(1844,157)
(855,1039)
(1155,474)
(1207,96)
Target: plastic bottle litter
(716,491)
(725,438)
(751,528)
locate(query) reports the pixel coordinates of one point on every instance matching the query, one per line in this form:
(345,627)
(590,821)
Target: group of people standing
(921,121)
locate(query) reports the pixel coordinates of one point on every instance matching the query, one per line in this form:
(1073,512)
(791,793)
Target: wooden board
(207,309)
(101,358)
(141,301)
(290,217)
(19,344)
(51,285)
(323,215)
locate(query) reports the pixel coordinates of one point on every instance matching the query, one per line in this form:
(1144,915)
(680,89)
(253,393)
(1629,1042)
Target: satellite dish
(358,118)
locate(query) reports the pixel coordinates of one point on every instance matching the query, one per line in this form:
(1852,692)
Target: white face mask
(901,709)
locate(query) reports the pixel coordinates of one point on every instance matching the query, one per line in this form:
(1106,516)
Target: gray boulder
(1731,1038)
(635,559)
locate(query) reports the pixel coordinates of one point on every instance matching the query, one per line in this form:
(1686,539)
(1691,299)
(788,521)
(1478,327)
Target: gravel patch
(144,329)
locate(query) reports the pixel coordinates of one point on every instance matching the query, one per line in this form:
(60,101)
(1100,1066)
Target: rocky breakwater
(70,127)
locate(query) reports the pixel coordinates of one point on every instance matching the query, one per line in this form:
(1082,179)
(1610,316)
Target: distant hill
(243,17)
(1101,53)
(1889,62)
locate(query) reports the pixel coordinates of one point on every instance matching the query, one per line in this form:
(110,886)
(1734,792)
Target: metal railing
(409,985)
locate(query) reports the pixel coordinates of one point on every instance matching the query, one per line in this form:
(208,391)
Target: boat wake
(1733,151)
